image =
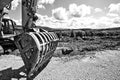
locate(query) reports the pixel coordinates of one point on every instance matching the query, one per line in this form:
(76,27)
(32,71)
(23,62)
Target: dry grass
(85,48)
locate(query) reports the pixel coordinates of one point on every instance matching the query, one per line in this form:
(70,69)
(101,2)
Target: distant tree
(72,34)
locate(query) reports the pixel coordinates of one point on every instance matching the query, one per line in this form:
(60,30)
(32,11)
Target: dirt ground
(104,65)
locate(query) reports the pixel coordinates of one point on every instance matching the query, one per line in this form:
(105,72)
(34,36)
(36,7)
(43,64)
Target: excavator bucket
(36,49)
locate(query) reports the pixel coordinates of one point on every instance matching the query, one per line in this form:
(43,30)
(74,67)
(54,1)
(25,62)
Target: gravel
(104,65)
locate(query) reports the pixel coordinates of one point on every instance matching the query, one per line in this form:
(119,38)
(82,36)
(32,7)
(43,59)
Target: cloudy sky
(75,14)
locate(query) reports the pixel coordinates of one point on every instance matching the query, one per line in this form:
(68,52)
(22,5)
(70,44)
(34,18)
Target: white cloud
(78,16)
(116,20)
(50,22)
(104,22)
(107,22)
(46,1)
(98,10)
(115,8)
(79,11)
(41,2)
(84,10)
(112,15)
(60,13)
(40,20)
(15,3)
(38,15)
(93,23)
(43,20)
(104,19)
(77,23)
(41,6)
(74,11)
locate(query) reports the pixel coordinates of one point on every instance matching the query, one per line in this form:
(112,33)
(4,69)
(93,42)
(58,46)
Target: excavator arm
(36,45)
(5,3)
(28,13)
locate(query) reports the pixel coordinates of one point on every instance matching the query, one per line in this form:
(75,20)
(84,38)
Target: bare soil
(103,65)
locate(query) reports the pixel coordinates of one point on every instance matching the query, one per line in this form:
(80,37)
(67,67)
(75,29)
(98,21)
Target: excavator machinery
(36,45)
(7,33)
